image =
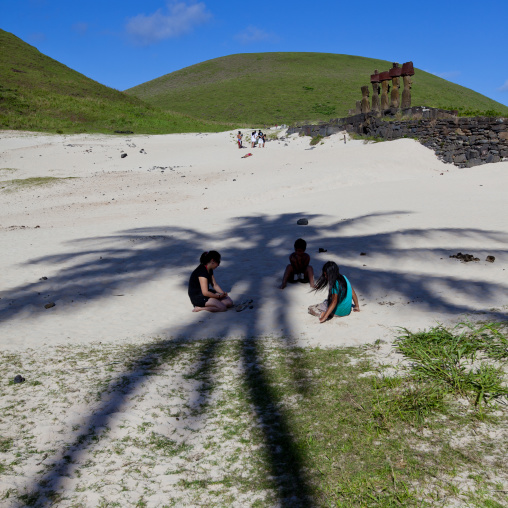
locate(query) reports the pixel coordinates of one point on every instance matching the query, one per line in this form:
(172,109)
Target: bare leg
(212,305)
(287,273)
(310,275)
(227,302)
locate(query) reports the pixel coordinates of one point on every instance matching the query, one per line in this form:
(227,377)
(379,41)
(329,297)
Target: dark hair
(329,277)
(206,257)
(300,244)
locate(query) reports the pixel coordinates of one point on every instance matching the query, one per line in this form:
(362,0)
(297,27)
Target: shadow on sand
(134,257)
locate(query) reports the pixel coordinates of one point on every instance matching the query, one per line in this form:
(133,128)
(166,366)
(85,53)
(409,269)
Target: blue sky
(124,43)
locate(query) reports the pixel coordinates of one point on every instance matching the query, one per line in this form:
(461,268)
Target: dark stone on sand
(490,259)
(302,222)
(123,155)
(19,379)
(322,250)
(363,253)
(465,258)
(49,305)
(43,278)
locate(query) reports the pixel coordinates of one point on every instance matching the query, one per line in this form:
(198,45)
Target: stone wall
(465,142)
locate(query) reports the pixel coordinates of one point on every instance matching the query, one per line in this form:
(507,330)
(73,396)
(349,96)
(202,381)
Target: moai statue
(358,107)
(395,73)
(374,79)
(365,100)
(384,77)
(407,72)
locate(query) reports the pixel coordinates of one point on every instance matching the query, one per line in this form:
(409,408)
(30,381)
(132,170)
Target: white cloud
(178,18)
(445,75)
(504,88)
(253,34)
(448,74)
(36,37)
(80,28)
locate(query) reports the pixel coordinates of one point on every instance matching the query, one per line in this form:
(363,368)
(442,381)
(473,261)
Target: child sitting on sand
(340,294)
(299,268)
(201,295)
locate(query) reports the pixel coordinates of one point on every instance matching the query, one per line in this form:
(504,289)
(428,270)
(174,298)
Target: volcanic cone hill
(275,88)
(38,93)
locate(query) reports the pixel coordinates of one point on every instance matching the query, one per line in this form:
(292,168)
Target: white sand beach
(113,411)
(118,237)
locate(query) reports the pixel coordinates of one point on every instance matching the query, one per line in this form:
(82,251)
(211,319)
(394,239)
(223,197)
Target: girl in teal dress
(340,294)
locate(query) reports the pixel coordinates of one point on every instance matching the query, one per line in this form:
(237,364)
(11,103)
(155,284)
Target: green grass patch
(468,111)
(266,422)
(5,444)
(459,362)
(315,140)
(366,139)
(23,183)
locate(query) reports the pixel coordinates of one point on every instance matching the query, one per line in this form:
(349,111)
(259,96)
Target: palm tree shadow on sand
(133,257)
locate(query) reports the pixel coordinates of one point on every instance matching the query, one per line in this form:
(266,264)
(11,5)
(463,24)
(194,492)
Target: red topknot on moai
(384,78)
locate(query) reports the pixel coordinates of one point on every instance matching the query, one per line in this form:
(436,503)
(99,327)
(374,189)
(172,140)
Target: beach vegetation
(315,140)
(23,183)
(366,139)
(471,111)
(261,420)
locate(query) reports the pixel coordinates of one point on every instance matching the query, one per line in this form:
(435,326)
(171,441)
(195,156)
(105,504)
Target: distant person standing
(261,140)
(253,138)
(239,138)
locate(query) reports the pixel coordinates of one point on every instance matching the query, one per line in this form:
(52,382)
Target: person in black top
(201,295)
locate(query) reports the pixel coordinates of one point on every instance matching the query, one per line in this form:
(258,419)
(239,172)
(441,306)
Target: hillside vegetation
(275,88)
(38,93)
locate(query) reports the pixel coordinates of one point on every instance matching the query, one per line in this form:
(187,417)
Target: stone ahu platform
(463,141)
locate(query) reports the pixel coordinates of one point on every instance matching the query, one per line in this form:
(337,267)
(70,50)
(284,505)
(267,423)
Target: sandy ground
(118,237)
(108,413)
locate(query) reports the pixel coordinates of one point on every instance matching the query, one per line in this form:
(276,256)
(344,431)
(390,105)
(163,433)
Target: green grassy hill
(38,93)
(271,88)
